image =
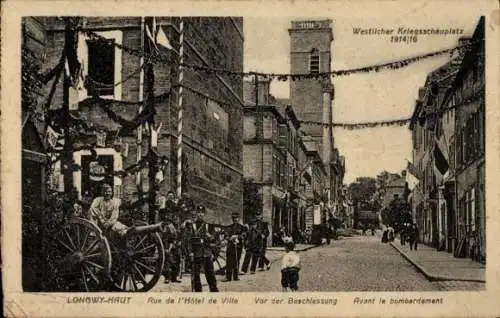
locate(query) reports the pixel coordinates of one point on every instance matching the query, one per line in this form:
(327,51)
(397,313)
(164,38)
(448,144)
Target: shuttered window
(101,62)
(314,61)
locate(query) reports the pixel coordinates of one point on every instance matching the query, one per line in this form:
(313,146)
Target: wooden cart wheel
(81,256)
(137,261)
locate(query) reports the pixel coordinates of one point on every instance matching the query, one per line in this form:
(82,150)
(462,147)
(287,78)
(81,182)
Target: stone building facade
(272,158)
(467,96)
(312,98)
(448,127)
(212,104)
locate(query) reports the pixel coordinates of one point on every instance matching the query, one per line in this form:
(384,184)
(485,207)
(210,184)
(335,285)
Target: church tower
(311,98)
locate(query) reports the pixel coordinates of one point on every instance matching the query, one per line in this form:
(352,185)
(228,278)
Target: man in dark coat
(263,229)
(413,237)
(255,245)
(200,249)
(253,248)
(171,206)
(236,234)
(168,213)
(171,242)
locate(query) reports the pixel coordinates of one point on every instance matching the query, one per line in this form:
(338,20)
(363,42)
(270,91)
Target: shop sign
(97,172)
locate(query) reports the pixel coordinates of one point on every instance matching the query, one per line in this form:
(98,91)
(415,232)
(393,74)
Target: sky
(389,94)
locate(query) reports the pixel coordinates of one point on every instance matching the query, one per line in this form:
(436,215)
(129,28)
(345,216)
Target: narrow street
(359,263)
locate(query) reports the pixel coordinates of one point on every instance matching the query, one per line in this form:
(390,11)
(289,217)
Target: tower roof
(320,25)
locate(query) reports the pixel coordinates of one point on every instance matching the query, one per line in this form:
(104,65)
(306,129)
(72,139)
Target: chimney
(421,93)
(464,40)
(264,88)
(249,91)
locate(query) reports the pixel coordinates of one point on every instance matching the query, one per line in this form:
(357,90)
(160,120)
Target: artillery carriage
(88,258)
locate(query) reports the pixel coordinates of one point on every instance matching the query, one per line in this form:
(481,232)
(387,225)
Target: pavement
(298,248)
(356,263)
(442,266)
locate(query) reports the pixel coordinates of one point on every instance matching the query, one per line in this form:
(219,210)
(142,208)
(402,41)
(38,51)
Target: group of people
(409,233)
(388,235)
(192,245)
(366,227)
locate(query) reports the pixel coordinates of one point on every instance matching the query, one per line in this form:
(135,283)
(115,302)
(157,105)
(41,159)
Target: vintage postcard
(240,158)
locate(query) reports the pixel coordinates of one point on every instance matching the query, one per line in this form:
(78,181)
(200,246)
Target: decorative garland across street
(158,58)
(352,126)
(477,95)
(147,114)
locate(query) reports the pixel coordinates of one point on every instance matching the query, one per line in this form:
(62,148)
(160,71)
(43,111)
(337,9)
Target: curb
(281,249)
(301,250)
(430,276)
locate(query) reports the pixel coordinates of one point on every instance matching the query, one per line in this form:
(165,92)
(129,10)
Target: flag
(426,158)
(440,159)
(101,139)
(75,75)
(158,36)
(413,170)
(125,150)
(161,39)
(52,137)
(159,177)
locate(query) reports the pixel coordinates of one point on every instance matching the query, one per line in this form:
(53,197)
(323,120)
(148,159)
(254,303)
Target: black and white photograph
(220,154)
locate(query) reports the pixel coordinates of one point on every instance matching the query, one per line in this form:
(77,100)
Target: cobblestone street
(359,263)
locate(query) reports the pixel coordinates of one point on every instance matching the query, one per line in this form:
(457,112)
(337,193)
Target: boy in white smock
(290,266)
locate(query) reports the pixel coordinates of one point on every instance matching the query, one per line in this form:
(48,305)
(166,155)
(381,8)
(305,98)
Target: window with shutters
(464,145)
(283,174)
(472,208)
(471,147)
(103,64)
(475,137)
(481,134)
(451,151)
(314,61)
(276,171)
(459,149)
(283,135)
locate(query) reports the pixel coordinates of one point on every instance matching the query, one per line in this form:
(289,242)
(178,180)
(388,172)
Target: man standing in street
(413,237)
(200,251)
(167,213)
(253,248)
(263,230)
(236,235)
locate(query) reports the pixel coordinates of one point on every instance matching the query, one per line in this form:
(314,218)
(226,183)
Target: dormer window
(314,61)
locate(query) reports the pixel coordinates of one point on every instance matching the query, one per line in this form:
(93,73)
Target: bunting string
(127,78)
(477,95)
(352,126)
(159,58)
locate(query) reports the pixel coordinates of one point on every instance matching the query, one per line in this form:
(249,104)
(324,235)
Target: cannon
(87,258)
(138,257)
(145,229)
(81,256)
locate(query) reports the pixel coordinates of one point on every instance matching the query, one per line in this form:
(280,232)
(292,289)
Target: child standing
(290,266)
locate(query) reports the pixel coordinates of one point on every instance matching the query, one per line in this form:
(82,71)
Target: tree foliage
(363,189)
(31,79)
(396,214)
